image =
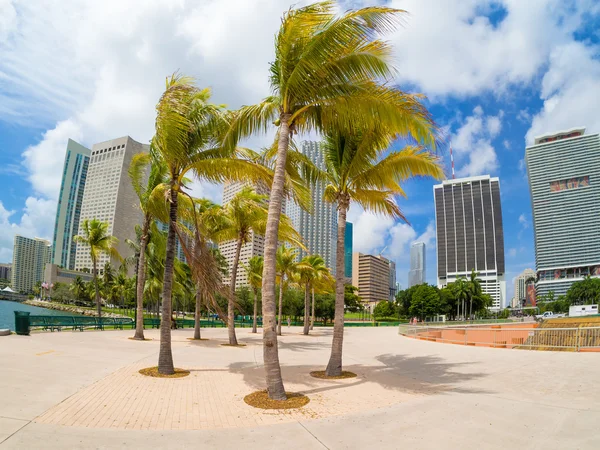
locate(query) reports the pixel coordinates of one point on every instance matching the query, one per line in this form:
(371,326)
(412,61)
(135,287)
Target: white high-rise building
(30,256)
(564,173)
(470,234)
(109,197)
(417,273)
(319,229)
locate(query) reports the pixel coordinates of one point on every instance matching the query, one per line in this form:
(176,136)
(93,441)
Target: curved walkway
(83,390)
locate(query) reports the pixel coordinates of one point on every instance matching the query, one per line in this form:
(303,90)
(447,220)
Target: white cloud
(523,221)
(512,252)
(474,150)
(506,144)
(570,90)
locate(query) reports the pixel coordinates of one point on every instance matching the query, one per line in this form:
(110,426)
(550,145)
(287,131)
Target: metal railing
(576,339)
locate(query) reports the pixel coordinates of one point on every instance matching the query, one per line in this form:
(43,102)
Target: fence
(510,336)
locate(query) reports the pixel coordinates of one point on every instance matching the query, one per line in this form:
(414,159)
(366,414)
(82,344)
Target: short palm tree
(324,283)
(188,138)
(143,188)
(475,291)
(461,290)
(310,270)
(323,75)
(358,170)
(286,268)
(254,270)
(78,288)
(95,236)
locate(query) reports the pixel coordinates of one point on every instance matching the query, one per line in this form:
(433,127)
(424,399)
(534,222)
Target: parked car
(548,315)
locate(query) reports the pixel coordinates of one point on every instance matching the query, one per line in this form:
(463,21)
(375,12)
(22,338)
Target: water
(7,315)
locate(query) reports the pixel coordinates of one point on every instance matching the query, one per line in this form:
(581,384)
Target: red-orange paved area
(501,336)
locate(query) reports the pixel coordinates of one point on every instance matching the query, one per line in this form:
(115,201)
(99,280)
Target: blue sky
(496,73)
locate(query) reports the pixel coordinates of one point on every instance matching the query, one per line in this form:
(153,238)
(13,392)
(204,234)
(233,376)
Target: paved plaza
(83,390)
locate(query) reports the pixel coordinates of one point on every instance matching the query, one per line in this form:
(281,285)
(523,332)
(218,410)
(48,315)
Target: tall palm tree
(359,169)
(461,290)
(286,267)
(310,269)
(475,291)
(254,270)
(245,215)
(323,74)
(95,236)
(188,138)
(143,188)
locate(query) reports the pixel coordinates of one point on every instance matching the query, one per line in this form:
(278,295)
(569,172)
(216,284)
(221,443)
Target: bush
(384,309)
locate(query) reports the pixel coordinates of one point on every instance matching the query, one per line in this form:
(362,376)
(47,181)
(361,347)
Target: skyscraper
(372,275)
(417,273)
(564,181)
(470,234)
(109,197)
(520,295)
(348,250)
(68,211)
(29,258)
(319,229)
(392,280)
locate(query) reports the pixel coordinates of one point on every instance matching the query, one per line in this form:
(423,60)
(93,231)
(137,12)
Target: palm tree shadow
(423,375)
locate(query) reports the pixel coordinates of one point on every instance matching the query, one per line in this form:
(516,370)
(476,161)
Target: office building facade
(372,276)
(319,228)
(392,280)
(470,234)
(564,181)
(30,256)
(418,269)
(348,250)
(70,199)
(109,197)
(5,271)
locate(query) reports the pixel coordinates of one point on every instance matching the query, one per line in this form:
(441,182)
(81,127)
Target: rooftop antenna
(452,159)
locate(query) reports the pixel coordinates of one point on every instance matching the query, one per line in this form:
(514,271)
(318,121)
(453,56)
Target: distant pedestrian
(289,322)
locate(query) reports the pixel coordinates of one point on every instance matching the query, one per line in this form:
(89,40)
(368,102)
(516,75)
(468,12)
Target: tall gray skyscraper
(109,196)
(564,180)
(470,235)
(29,259)
(418,267)
(319,229)
(70,200)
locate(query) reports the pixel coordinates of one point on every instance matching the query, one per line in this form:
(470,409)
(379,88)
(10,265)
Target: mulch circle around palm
(233,345)
(260,399)
(145,339)
(323,375)
(153,372)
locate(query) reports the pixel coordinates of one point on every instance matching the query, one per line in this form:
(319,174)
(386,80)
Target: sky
(495,73)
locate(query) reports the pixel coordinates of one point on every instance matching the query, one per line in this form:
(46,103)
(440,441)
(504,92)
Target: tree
(383,309)
(286,269)
(95,236)
(584,292)
(425,302)
(77,288)
(474,288)
(461,290)
(324,75)
(143,190)
(254,270)
(351,299)
(309,270)
(189,138)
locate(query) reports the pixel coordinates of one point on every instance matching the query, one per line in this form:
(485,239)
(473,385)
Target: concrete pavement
(82,390)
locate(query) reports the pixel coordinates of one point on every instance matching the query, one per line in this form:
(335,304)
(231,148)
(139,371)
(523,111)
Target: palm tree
(143,190)
(188,138)
(286,267)
(310,270)
(78,288)
(323,75)
(475,291)
(95,236)
(254,270)
(323,283)
(461,290)
(121,286)
(357,169)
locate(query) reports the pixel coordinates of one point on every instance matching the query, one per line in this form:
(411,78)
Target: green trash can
(22,323)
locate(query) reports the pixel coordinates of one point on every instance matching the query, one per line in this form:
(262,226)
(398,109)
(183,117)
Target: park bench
(121,322)
(81,322)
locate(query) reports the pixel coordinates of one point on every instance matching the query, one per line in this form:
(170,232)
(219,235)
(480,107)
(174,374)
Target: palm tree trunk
(141,281)
(97,290)
(273,380)
(334,367)
(470,307)
(197,313)
(165,355)
(280,306)
(312,316)
(255,291)
(306,308)
(230,304)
